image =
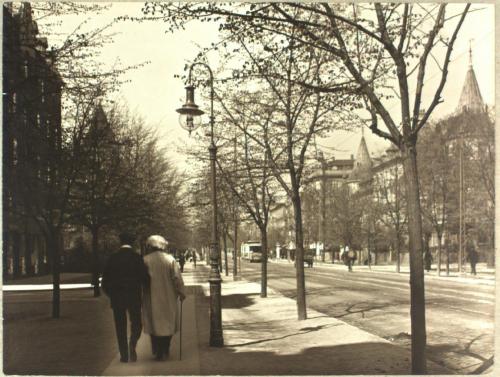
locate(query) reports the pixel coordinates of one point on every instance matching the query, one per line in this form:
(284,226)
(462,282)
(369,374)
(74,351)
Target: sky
(154,93)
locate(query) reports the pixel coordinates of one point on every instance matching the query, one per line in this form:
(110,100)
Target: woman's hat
(156,242)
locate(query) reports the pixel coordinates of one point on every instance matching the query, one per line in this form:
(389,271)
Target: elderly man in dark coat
(124,276)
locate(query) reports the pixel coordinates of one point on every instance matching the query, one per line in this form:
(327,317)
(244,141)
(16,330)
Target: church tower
(363,163)
(470,99)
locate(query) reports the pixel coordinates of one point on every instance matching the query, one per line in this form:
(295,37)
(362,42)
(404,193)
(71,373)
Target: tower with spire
(470,98)
(363,163)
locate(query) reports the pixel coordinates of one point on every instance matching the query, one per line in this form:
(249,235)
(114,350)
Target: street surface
(460,316)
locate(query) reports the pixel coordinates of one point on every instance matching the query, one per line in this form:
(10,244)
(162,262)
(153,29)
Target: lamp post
(190,120)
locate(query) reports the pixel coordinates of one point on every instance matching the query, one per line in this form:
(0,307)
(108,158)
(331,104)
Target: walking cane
(180,336)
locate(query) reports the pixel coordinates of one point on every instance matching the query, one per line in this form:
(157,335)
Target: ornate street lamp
(189,113)
(190,120)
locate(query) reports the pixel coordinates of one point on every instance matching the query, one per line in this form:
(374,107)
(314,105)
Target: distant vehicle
(308,258)
(252,251)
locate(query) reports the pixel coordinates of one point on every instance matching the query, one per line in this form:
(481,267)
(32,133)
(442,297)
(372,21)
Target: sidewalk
(484,275)
(262,336)
(66,278)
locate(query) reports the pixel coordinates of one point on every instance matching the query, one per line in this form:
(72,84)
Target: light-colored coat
(160,300)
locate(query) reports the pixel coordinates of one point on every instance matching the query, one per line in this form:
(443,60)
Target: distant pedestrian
(160,299)
(194,258)
(182,260)
(348,256)
(123,278)
(427,260)
(472,256)
(351,255)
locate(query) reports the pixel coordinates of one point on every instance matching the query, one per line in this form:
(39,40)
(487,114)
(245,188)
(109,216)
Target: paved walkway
(185,363)
(262,336)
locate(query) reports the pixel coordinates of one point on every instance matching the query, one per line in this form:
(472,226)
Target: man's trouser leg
(134,312)
(154,345)
(121,331)
(164,343)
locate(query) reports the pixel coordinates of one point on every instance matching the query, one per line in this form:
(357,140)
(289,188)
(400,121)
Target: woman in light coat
(160,299)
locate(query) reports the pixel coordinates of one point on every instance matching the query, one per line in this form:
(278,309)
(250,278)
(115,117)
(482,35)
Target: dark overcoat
(124,276)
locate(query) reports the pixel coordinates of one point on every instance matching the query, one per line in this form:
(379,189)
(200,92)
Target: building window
(39,171)
(25,69)
(47,128)
(14,151)
(47,173)
(42,90)
(14,102)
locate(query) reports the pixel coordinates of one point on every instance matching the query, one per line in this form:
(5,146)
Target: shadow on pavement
(361,358)
(302,331)
(250,357)
(238,301)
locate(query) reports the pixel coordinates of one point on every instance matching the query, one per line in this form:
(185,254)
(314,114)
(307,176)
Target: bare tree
(397,40)
(251,180)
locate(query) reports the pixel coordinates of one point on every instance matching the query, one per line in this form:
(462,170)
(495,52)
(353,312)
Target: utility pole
(461,202)
(322,226)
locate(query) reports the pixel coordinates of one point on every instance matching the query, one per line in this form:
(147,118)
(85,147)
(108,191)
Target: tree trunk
(95,262)
(323,210)
(28,251)
(263,241)
(299,258)
(235,251)
(224,240)
(447,257)
(417,289)
(220,255)
(439,236)
(53,248)
(5,260)
(398,253)
(16,250)
(369,251)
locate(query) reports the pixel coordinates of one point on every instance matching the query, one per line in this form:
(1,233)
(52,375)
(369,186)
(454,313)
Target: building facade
(31,139)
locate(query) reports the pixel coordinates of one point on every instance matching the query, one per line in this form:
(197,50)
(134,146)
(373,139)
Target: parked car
(309,258)
(256,257)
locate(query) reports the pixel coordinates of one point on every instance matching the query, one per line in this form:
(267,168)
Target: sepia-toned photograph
(248,188)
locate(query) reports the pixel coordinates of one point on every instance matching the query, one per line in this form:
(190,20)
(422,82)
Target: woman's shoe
(161,357)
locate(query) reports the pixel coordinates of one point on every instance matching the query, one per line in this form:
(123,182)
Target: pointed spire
(363,163)
(99,115)
(471,98)
(470,53)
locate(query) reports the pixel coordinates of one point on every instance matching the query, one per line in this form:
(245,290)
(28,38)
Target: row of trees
(305,67)
(107,171)
(375,217)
